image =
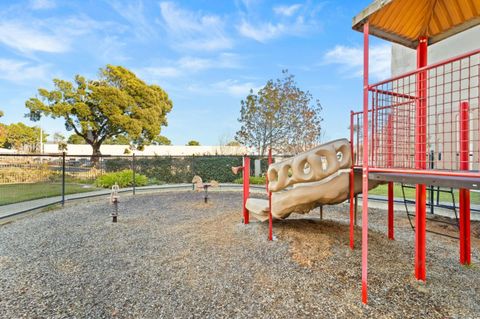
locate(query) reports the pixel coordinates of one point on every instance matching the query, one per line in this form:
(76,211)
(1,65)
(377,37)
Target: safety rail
(434,109)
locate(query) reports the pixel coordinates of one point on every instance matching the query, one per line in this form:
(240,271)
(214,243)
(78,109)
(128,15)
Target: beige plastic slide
(308,180)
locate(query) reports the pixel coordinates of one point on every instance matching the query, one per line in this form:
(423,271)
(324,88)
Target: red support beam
(270,217)
(365,168)
(246,188)
(352,181)
(391,234)
(391,231)
(465,253)
(421,161)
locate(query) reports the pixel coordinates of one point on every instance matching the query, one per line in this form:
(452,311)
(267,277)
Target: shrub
(179,169)
(122,178)
(27,174)
(254,180)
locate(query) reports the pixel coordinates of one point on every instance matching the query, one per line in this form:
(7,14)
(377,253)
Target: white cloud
(188,64)
(20,71)
(161,72)
(28,35)
(42,4)
(28,39)
(223,61)
(133,12)
(235,88)
(351,60)
(194,30)
(293,20)
(287,10)
(261,33)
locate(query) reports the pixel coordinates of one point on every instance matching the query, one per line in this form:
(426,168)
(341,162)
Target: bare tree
(282,116)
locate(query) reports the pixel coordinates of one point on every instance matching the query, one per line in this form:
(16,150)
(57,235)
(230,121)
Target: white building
(151,150)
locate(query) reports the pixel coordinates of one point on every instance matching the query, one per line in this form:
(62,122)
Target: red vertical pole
(352,181)
(464,193)
(270,217)
(421,161)
(391,234)
(365,167)
(246,188)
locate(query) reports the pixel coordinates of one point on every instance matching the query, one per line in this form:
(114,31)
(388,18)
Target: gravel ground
(171,255)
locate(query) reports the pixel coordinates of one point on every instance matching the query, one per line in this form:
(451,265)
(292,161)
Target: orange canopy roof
(405,21)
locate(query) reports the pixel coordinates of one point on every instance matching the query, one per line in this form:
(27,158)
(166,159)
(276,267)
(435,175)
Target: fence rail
(50,178)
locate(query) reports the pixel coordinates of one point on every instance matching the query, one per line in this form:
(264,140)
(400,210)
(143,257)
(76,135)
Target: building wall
(160,150)
(404,59)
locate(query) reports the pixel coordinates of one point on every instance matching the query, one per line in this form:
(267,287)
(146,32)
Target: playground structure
(317,177)
(434,109)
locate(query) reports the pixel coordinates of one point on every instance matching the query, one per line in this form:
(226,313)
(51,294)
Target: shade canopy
(405,21)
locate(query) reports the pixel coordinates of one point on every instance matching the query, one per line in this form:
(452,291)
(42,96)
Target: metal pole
(246,188)
(431,187)
(270,217)
(464,193)
(352,188)
(420,161)
(365,167)
(133,170)
(356,210)
(391,207)
(63,179)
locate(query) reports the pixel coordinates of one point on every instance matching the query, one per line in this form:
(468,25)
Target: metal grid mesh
(396,107)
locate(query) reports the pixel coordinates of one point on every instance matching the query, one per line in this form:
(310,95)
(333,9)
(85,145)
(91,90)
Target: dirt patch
(307,243)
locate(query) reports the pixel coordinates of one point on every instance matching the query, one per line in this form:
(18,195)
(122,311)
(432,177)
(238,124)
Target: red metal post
(391,234)
(464,193)
(421,161)
(246,188)
(270,217)
(365,167)
(352,180)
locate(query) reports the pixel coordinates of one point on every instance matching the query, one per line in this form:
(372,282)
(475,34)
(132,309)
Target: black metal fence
(42,179)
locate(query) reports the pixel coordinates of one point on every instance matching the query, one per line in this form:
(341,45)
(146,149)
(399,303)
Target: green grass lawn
(410,194)
(15,193)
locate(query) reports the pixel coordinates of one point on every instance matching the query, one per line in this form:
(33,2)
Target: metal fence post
(63,179)
(133,170)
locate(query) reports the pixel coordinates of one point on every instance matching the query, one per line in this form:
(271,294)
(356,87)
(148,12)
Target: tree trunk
(96,154)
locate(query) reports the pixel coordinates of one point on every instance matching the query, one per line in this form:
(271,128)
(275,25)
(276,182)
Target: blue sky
(206,54)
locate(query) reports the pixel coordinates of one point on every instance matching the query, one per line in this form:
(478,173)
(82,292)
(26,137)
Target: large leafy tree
(193,143)
(281,116)
(161,140)
(75,139)
(118,103)
(3,135)
(118,140)
(3,132)
(23,137)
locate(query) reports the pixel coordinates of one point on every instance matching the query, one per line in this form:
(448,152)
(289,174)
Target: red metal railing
(396,130)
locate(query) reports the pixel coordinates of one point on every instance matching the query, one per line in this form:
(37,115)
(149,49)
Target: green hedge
(180,169)
(256,180)
(122,178)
